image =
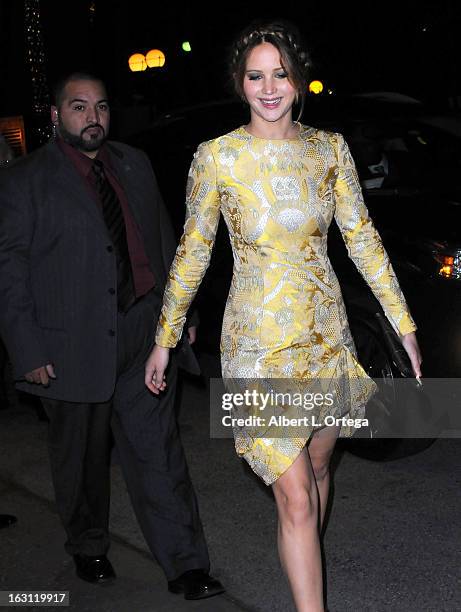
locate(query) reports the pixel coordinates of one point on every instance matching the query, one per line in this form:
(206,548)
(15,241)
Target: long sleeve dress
(285,316)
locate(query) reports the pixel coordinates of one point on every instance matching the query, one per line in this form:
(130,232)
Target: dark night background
(392,541)
(409,47)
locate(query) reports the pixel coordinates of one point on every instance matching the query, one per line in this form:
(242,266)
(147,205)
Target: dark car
(408,162)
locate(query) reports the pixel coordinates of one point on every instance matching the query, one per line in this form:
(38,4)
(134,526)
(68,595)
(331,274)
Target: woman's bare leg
(301,494)
(298,533)
(320,450)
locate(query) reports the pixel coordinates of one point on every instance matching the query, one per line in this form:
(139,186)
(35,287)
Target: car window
(403,155)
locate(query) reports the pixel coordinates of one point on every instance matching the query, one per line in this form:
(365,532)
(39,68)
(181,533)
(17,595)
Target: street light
(137,62)
(155,58)
(316,87)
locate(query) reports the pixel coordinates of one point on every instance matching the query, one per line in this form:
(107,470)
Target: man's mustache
(94,125)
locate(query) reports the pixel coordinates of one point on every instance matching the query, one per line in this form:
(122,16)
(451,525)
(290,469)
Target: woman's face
(266,86)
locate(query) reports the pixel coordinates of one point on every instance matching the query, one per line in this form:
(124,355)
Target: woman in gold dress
(278,185)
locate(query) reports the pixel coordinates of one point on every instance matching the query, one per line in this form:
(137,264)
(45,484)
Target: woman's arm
(365,248)
(190,263)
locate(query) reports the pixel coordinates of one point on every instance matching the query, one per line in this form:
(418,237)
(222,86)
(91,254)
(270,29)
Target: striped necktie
(113,217)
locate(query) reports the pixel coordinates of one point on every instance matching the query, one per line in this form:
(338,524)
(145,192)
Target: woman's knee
(298,506)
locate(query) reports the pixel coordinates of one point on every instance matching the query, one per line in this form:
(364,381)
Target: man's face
(83,117)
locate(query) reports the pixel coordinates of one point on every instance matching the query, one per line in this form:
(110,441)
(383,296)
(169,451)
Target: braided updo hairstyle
(285,37)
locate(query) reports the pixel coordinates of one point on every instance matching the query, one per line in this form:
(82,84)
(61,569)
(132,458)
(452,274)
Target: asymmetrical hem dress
(285,318)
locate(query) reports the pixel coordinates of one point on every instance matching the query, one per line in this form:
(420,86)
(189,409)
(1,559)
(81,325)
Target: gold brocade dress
(285,316)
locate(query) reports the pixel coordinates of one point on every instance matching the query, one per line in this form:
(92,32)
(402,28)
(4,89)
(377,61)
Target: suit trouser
(150,453)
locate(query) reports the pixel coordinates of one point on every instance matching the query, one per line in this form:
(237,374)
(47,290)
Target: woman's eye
(281,75)
(254,77)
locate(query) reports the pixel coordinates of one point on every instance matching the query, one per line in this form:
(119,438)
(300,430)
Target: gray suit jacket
(56,269)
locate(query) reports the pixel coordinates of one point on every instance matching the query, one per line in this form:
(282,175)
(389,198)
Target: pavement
(392,541)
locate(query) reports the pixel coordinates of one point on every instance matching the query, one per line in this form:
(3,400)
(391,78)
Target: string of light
(35,59)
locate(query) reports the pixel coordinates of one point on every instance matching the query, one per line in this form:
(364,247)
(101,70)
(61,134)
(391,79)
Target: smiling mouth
(270,103)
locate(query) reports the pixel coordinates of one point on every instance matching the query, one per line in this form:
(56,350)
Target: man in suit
(85,248)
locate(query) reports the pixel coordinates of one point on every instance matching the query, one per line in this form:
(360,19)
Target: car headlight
(449,264)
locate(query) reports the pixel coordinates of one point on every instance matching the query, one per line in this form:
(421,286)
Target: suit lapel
(67,180)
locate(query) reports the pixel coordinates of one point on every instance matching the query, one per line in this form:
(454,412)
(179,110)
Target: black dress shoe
(94,569)
(196,584)
(6,520)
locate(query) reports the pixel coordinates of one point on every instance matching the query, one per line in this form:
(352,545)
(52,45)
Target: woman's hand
(410,344)
(155,369)
(192,334)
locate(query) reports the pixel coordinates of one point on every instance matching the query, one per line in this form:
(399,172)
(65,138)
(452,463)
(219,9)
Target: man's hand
(192,334)
(410,344)
(41,376)
(155,369)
